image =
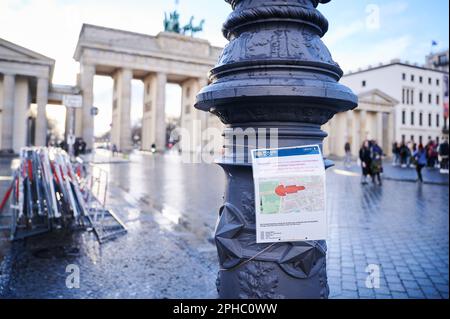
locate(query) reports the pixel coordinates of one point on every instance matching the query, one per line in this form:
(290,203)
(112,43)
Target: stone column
(7,107)
(41,119)
(379,136)
(391,132)
(362,125)
(87,88)
(357,132)
(202,116)
(122,110)
(125,110)
(331,135)
(350,128)
(21,105)
(274,75)
(160,112)
(191,131)
(148,113)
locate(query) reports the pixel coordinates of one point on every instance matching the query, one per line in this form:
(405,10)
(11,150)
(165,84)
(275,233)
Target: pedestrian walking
(421,159)
(404,155)
(395,154)
(114,150)
(376,165)
(443,153)
(348,155)
(413,162)
(365,158)
(431,154)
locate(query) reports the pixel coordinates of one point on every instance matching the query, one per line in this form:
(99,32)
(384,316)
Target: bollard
(275,73)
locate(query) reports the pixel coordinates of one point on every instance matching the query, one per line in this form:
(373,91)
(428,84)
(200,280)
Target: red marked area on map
(282,190)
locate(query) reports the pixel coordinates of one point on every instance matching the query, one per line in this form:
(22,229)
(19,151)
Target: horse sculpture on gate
(172,24)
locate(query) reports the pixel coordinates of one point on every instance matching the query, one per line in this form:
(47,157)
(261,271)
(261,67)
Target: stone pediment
(377,97)
(15,53)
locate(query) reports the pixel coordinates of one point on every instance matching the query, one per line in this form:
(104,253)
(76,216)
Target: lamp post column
(275,73)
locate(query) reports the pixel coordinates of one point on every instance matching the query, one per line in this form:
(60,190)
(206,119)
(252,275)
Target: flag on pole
(434,43)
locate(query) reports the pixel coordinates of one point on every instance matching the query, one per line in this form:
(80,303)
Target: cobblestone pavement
(170,210)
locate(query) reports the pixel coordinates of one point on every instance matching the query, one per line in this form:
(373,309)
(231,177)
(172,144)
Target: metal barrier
(49,192)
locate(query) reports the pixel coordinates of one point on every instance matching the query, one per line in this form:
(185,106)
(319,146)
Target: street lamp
(274,73)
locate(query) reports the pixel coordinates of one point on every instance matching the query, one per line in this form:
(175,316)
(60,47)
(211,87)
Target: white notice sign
(72,100)
(289,194)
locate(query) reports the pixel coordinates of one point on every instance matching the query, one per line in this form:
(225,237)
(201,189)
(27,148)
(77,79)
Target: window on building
(412,97)
(420,79)
(420,118)
(429,99)
(363,83)
(437,82)
(429,81)
(412,138)
(403,117)
(403,138)
(412,77)
(412,118)
(407,96)
(437,99)
(420,97)
(420,139)
(437,140)
(437,120)
(429,119)
(403,96)
(404,76)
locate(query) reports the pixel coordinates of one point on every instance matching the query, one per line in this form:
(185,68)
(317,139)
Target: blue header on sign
(283,152)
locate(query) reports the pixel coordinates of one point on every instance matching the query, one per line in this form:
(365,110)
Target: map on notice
(289,194)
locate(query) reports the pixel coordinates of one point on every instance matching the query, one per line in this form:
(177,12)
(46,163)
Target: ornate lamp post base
(274,74)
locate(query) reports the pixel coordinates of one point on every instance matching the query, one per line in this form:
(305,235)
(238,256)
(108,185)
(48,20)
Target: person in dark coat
(395,154)
(444,152)
(366,160)
(376,167)
(421,159)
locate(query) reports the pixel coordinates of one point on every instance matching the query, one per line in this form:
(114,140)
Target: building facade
(373,119)
(438,61)
(156,60)
(25,78)
(419,115)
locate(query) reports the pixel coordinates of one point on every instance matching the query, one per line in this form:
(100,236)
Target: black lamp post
(274,73)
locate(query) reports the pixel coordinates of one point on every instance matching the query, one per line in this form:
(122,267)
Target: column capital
(87,68)
(9,74)
(161,76)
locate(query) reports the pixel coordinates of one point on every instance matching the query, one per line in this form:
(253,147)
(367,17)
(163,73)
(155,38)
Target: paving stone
(397,287)
(410,284)
(415,293)
(393,279)
(399,295)
(439,280)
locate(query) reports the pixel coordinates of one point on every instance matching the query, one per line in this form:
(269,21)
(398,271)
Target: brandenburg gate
(156,60)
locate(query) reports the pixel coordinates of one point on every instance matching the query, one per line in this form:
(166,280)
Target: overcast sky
(357,38)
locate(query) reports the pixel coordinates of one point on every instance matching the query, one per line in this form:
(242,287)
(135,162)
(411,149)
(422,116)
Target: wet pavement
(170,210)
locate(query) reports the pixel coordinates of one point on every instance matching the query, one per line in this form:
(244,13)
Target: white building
(419,90)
